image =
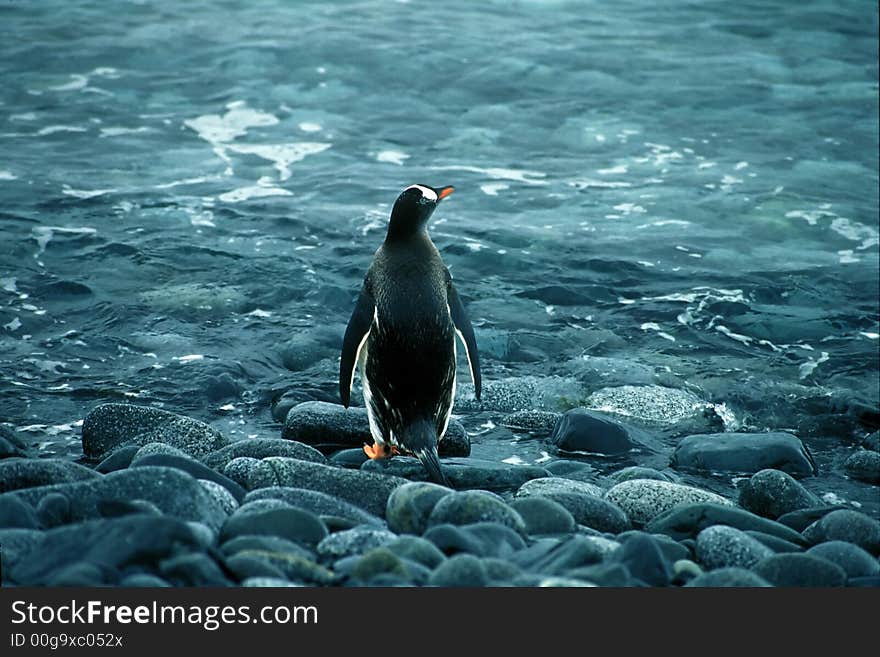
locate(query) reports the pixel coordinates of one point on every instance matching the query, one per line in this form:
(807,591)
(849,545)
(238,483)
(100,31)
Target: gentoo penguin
(402,334)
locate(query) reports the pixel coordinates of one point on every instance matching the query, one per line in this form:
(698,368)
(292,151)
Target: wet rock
(193,570)
(672,550)
(53,510)
(294,566)
(531,421)
(846,525)
(463,473)
(417,549)
(643,556)
(872,441)
(108,543)
(221,494)
(580,431)
(587,509)
(727,578)
(720,546)
(349,458)
(379,561)
(644,499)
(688,520)
(684,571)
(260,448)
(264,543)
(799,570)
(174,492)
(637,472)
(320,504)
(109,426)
(367,490)
(354,541)
(119,459)
(151,449)
(546,486)
(774,542)
(83,573)
(11,445)
(293,524)
(561,557)
(250,474)
(17,473)
(743,453)
(330,427)
(460,570)
(467,507)
(244,566)
(517,394)
(855,561)
(773,493)
(803,518)
(119,508)
(864,465)
(602,574)
(192,467)
(480,539)
(543,516)
(650,405)
(15,513)
(500,571)
(410,505)
(571,469)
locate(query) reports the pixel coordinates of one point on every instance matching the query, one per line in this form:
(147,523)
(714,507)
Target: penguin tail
(431,462)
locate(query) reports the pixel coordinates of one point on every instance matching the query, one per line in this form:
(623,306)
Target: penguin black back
(402,332)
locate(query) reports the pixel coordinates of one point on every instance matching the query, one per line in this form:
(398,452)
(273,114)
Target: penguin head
(413,208)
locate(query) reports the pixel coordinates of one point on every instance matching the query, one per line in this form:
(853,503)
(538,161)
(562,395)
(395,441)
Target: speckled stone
(546,486)
(16,473)
(467,507)
(853,559)
(108,426)
(367,490)
(651,404)
(773,493)
(791,569)
(410,505)
(354,541)
(846,525)
(864,465)
(259,448)
(531,421)
(720,546)
(174,492)
(644,499)
(318,503)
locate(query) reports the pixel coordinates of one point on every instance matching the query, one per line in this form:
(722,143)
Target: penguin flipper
(466,333)
(355,335)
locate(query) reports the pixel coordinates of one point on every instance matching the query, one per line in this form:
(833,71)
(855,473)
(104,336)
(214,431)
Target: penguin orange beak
(443,192)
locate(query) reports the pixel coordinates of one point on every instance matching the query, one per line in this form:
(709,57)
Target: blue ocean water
(677,193)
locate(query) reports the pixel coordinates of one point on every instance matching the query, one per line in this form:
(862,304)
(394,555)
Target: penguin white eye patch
(427,193)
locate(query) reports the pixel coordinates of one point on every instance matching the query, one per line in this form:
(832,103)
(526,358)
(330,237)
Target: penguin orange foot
(378,451)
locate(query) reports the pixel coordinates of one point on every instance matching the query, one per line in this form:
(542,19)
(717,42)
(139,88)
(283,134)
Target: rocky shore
(167,500)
